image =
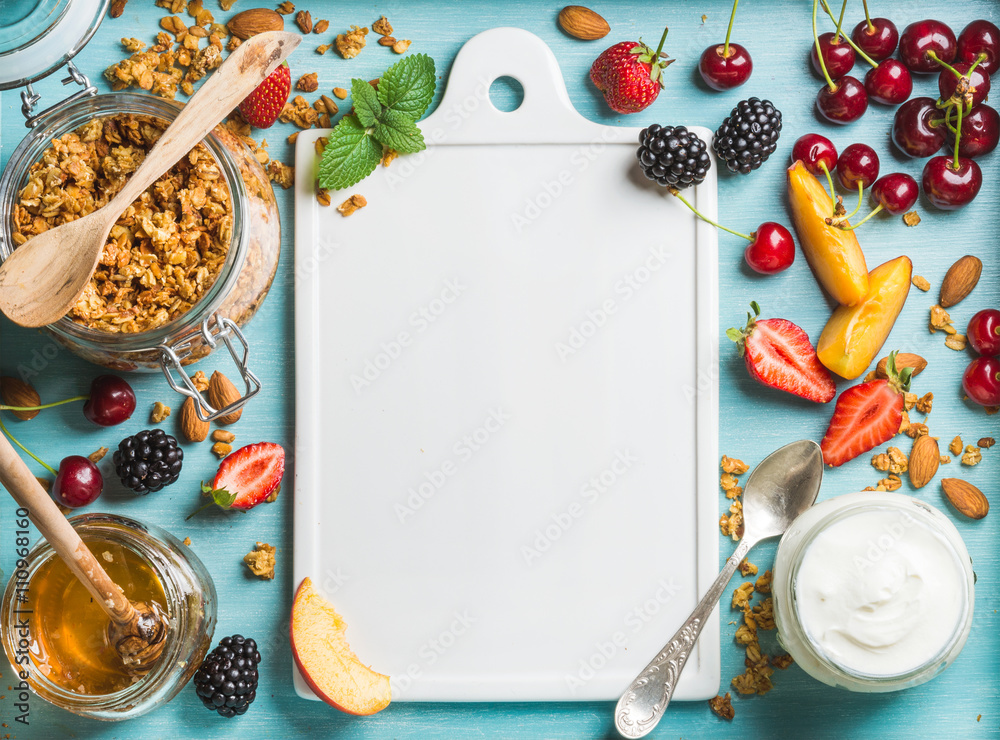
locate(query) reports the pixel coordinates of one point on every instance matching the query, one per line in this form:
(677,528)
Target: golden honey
(69,637)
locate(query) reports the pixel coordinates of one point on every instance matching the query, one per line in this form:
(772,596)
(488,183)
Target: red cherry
(77,483)
(772,249)
(890,83)
(980,37)
(918,127)
(949,188)
(981,381)
(924,36)
(845,104)
(896,192)
(857,163)
(811,149)
(984,332)
(111,401)
(980,132)
(878,42)
(838,56)
(978,82)
(725,72)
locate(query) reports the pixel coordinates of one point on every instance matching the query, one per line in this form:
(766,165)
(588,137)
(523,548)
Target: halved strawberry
(246,477)
(779,354)
(866,415)
(262,107)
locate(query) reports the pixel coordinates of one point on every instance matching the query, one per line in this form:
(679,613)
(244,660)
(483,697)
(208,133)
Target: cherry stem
(875,210)
(732,17)
(836,36)
(46,406)
(819,52)
(868,18)
(29,452)
(849,40)
(676,193)
(659,48)
(947,119)
(829,180)
(861,199)
(933,55)
(958,137)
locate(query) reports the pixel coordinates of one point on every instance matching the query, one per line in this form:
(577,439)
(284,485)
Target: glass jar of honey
(52,630)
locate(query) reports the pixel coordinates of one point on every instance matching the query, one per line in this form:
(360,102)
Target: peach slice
(833,254)
(854,334)
(327,662)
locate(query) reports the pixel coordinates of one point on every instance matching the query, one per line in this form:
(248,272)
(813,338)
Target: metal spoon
(783,486)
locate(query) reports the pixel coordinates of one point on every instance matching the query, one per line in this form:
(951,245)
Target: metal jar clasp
(172,357)
(29,98)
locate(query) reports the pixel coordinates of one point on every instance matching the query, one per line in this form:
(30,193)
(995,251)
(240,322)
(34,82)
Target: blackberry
(148,461)
(749,136)
(673,156)
(226,681)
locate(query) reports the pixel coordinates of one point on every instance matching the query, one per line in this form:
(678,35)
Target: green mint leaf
(408,86)
(351,154)
(366,105)
(399,131)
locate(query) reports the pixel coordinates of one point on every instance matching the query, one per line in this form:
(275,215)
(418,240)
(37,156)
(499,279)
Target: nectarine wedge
(833,254)
(327,662)
(854,334)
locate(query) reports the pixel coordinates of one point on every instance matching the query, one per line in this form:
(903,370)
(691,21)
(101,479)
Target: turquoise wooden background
(753,421)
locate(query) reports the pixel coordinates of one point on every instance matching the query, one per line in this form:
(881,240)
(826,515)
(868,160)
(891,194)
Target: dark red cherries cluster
(981,380)
(727,65)
(857,168)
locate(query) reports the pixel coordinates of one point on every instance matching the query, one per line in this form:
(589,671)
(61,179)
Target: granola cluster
(731,524)
(164,252)
(756,679)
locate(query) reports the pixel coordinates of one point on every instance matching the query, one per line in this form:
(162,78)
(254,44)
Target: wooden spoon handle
(225,88)
(42,510)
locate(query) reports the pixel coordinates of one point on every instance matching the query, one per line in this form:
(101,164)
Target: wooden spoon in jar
(137,630)
(44,277)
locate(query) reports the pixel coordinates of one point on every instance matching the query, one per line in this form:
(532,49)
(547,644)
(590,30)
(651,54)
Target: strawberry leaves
(386,117)
(220,497)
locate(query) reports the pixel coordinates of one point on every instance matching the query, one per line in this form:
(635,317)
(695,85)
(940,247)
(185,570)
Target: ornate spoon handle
(645,700)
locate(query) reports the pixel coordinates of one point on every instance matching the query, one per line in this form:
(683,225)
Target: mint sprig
(383,118)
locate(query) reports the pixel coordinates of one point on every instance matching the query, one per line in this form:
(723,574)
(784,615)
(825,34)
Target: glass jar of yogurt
(873,592)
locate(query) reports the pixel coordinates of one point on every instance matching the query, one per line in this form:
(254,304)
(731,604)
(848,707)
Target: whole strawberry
(630,75)
(262,107)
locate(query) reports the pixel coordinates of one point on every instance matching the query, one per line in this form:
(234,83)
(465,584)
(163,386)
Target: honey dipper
(137,630)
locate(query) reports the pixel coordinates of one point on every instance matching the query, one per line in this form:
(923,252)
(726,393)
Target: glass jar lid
(38,37)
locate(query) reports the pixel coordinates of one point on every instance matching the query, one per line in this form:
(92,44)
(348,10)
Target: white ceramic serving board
(506,400)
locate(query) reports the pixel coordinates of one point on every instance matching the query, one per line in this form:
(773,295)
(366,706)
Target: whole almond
(221,393)
(925,457)
(583,23)
(15,392)
(193,429)
(965,497)
(960,279)
(903,359)
(255,20)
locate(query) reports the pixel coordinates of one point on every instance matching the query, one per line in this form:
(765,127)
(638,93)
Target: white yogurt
(879,592)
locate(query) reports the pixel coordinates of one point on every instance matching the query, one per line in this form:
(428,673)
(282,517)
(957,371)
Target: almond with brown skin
(221,393)
(925,457)
(965,497)
(903,359)
(15,392)
(583,23)
(193,429)
(960,279)
(253,21)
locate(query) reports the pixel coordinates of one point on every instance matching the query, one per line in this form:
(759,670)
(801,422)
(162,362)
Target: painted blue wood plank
(753,420)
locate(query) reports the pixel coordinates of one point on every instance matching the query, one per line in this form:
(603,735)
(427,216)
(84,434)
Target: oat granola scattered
(940,320)
(956,342)
(117,8)
(893,460)
(401,46)
(917,429)
(722,706)
(945,460)
(910,400)
(742,595)
(920,282)
(731,524)
(200,381)
(321,26)
(340,92)
(221,435)
(763,584)
(97,455)
(972,456)
(926,403)
(308,82)
(382,27)
(163,253)
(912,218)
(160,412)
(260,561)
(352,204)
(904,422)
(300,112)
(956,446)
(350,44)
(733,465)
(747,568)
(387,40)
(986,442)
(187,541)
(286,8)
(221,449)
(281,173)
(892,483)
(389,156)
(782,661)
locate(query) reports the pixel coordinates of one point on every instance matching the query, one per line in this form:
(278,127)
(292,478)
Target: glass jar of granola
(185,267)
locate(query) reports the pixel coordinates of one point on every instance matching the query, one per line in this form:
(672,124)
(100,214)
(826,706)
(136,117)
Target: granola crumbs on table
(782,661)
(892,483)
(222,435)
(200,381)
(722,706)
(281,173)
(389,156)
(763,584)
(300,112)
(350,44)
(972,456)
(382,27)
(352,204)
(731,524)
(308,82)
(917,429)
(221,449)
(340,92)
(742,595)
(286,8)
(940,320)
(893,460)
(926,403)
(321,26)
(159,412)
(387,41)
(273,496)
(986,442)
(401,46)
(920,282)
(944,460)
(260,561)
(910,400)
(733,465)
(187,541)
(97,455)
(904,422)
(956,342)
(956,446)
(747,568)
(912,218)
